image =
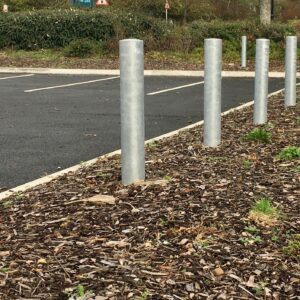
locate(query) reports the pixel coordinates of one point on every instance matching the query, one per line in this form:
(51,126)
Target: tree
(265,12)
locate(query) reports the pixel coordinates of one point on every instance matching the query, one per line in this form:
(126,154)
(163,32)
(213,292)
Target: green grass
(289,153)
(264,206)
(258,135)
(43,54)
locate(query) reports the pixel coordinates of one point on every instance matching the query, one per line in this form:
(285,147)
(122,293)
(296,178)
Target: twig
(249,293)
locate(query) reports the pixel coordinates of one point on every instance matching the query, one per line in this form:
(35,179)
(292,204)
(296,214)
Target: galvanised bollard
(290,71)
(244,52)
(261,81)
(212,92)
(132,110)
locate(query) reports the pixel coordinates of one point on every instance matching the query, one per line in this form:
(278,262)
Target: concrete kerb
(147,72)
(48,178)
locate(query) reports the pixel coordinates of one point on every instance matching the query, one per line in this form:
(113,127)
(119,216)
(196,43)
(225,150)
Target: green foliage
(251,240)
(232,31)
(293,247)
(264,206)
(167,177)
(83,48)
(247,163)
(55,29)
(80,290)
(289,153)
(252,229)
(258,135)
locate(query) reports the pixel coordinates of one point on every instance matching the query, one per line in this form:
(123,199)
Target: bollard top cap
(131,41)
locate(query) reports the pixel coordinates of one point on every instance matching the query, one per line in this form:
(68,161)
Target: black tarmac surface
(44,131)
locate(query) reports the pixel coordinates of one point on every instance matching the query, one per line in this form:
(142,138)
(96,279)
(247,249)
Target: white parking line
(175,88)
(70,84)
(17,76)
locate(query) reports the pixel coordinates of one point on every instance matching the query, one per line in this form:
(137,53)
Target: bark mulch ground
(188,236)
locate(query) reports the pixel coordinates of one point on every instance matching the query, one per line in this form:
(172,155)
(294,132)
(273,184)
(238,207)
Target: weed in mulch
(289,153)
(258,135)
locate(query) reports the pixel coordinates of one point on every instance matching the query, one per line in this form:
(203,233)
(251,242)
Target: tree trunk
(186,6)
(265,12)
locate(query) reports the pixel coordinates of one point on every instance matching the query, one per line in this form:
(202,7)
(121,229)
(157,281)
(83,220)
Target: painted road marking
(70,84)
(17,76)
(175,88)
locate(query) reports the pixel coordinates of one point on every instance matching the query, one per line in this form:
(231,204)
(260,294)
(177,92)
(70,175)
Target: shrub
(231,33)
(54,29)
(83,48)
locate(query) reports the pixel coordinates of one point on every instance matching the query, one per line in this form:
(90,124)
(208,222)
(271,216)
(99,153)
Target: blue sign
(84,3)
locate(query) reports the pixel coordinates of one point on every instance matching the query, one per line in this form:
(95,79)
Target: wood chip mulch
(186,236)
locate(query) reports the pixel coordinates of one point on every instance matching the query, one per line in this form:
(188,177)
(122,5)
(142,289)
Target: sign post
(167,7)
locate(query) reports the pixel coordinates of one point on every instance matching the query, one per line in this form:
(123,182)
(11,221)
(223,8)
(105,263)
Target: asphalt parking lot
(50,122)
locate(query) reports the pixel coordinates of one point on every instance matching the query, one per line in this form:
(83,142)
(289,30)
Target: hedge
(54,29)
(186,39)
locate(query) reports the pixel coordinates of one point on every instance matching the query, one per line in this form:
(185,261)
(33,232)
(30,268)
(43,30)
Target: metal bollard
(261,81)
(244,52)
(290,71)
(212,92)
(132,110)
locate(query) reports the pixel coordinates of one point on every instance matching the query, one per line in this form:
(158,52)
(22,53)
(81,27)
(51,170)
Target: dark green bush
(232,31)
(54,29)
(83,48)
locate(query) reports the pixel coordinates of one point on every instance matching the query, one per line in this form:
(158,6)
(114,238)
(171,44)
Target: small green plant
(259,290)
(293,247)
(79,293)
(167,177)
(298,120)
(289,153)
(144,295)
(259,135)
(4,270)
(256,239)
(264,213)
(19,196)
(152,144)
(252,229)
(246,163)
(274,238)
(80,290)
(264,206)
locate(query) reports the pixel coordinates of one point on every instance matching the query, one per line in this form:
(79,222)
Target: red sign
(167,5)
(102,3)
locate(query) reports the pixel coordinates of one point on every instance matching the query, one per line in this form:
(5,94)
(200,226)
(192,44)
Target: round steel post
(261,81)
(132,110)
(244,52)
(212,92)
(290,71)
